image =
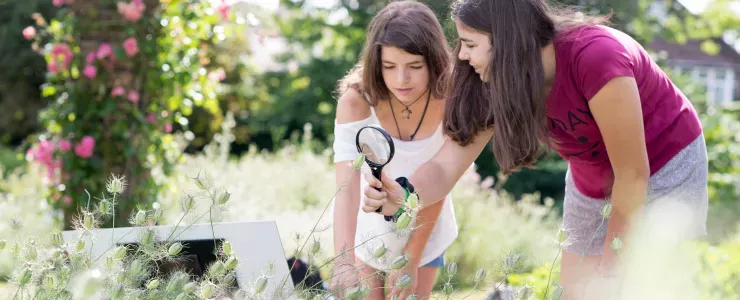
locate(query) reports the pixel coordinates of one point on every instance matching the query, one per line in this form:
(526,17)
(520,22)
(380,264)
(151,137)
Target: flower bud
(174,249)
(403,221)
(399,262)
(224,197)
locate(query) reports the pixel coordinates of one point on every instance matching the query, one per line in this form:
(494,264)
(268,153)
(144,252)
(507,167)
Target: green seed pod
(152,284)
(231,263)
(56,239)
(189,288)
(448,289)
(217,269)
(80,245)
(119,253)
(147,237)
(616,244)
(140,218)
(261,284)
(201,182)
(379,251)
(175,249)
(316,247)
(24,277)
(227,248)
(88,221)
(117,292)
(223,198)
(606,211)
(451,268)
(412,201)
(399,262)
(229,279)
(104,207)
(182,296)
(2,244)
(50,281)
(403,221)
(480,275)
(206,289)
(359,160)
(404,281)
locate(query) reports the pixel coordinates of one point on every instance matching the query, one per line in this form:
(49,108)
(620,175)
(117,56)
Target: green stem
(547,288)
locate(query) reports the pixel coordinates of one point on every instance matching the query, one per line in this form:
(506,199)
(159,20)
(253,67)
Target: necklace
(407,111)
(411,138)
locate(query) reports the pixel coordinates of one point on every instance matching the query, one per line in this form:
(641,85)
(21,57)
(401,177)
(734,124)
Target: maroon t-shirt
(587,58)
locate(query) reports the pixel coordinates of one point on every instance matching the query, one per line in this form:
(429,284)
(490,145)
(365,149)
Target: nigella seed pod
(189,288)
(206,289)
(448,289)
(104,207)
(88,221)
(152,284)
(359,160)
(616,244)
(24,277)
(480,275)
(147,237)
(217,269)
(227,248)
(399,262)
(119,253)
(140,217)
(174,249)
(201,182)
(316,248)
(260,285)
(412,201)
(56,239)
(379,251)
(232,262)
(403,281)
(403,221)
(451,268)
(224,197)
(80,245)
(606,211)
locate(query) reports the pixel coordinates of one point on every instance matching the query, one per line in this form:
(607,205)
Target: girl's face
(406,75)
(475,48)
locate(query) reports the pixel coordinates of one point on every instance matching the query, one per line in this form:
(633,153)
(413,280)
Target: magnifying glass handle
(376,172)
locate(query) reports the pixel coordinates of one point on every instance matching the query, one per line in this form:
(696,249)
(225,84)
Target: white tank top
(372,228)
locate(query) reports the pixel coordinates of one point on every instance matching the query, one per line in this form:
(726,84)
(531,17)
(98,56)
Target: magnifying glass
(377,146)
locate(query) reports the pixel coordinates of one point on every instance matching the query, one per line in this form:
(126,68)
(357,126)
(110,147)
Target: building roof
(691,51)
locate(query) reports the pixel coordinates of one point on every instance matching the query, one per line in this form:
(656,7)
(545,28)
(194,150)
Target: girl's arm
(351,107)
(617,110)
(432,181)
(426,219)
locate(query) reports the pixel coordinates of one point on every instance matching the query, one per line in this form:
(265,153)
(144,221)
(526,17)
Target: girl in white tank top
(397,85)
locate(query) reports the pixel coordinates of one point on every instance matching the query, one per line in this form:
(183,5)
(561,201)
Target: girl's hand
(390,197)
(344,276)
(395,281)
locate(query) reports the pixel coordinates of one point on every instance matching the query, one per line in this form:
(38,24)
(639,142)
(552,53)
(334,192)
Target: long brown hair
(412,27)
(512,102)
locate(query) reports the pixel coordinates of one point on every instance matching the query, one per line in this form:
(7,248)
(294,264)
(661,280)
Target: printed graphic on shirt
(574,124)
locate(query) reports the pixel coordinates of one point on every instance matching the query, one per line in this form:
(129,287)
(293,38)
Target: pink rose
(104,50)
(29,32)
(61,57)
(168,127)
(85,148)
(57,3)
(223,10)
(90,71)
(131,47)
(131,11)
(117,91)
(133,96)
(90,58)
(65,145)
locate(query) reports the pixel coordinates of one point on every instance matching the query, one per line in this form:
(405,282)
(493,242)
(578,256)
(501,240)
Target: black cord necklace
(411,138)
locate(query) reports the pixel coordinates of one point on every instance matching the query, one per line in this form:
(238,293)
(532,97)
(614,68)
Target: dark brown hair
(512,102)
(412,27)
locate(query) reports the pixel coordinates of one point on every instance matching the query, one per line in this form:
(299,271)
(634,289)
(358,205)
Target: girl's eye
(416,67)
(470,46)
(388,67)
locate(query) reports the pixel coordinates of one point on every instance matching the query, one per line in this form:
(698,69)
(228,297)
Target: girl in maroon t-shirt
(528,76)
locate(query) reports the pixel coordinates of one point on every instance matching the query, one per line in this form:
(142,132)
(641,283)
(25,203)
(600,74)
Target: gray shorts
(682,179)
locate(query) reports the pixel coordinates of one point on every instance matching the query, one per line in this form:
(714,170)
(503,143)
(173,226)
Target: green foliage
(117,87)
(20,100)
